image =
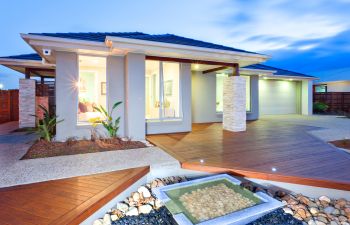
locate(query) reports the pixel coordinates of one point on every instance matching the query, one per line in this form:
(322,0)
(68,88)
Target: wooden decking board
(298,156)
(66,201)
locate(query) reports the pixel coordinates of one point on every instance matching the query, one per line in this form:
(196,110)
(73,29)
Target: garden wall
(337,101)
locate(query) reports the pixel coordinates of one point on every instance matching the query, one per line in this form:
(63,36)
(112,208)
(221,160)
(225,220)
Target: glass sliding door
(162,90)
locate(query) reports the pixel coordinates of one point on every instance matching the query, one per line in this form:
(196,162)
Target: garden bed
(43,149)
(345,143)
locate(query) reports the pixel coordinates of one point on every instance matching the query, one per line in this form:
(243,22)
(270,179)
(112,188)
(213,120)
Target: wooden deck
(297,156)
(66,201)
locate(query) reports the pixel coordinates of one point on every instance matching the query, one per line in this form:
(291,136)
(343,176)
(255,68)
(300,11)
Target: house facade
(166,82)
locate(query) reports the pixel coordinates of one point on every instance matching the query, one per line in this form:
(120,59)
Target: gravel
(163,217)
(156,217)
(277,217)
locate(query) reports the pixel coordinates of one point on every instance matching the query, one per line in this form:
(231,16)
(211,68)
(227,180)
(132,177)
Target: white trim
(119,40)
(284,77)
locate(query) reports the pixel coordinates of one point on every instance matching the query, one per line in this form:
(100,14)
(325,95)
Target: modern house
(166,82)
(332,86)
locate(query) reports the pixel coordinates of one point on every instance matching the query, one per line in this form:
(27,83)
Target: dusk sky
(311,37)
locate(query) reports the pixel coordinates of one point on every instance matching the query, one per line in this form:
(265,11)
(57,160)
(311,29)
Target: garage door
(278,97)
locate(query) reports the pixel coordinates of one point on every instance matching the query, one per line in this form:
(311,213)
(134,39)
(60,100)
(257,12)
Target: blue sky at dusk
(310,36)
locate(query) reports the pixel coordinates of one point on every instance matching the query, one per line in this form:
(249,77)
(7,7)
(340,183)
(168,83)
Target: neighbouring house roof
(277,71)
(32,56)
(164,38)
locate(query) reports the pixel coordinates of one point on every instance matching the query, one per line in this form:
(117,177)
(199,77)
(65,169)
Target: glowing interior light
(290,79)
(196,66)
(273,169)
(265,78)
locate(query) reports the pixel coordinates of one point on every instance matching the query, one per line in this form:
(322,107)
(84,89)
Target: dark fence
(47,89)
(9,110)
(337,101)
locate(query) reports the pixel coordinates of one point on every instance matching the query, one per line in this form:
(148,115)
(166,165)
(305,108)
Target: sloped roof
(32,56)
(280,72)
(164,38)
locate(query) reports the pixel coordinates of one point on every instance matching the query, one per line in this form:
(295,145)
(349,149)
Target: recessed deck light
(274,169)
(201,160)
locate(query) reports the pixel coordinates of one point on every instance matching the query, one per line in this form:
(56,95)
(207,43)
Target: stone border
(237,218)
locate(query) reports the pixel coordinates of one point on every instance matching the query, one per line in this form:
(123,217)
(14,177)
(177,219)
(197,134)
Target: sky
(310,36)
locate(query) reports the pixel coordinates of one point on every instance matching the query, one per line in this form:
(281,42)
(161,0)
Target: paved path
(14,171)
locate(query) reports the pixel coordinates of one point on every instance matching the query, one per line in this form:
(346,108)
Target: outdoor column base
(234,104)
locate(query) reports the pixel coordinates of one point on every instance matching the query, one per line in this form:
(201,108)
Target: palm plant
(46,126)
(109,123)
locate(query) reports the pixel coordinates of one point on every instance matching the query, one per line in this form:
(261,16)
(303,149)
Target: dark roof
(164,38)
(280,72)
(32,56)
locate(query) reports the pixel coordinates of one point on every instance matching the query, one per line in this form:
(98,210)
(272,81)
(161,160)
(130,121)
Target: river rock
(144,192)
(122,207)
(329,210)
(98,222)
(145,209)
(136,196)
(132,212)
(324,200)
(314,211)
(288,210)
(107,219)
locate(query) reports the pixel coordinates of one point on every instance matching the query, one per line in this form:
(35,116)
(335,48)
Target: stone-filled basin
(216,199)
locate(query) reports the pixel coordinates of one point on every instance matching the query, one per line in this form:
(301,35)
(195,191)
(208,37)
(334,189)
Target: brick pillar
(27,103)
(234,104)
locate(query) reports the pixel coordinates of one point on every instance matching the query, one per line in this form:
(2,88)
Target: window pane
(152,89)
(247,91)
(91,87)
(171,90)
(320,88)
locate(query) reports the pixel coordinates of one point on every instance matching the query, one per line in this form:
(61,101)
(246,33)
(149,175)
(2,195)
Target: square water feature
(216,200)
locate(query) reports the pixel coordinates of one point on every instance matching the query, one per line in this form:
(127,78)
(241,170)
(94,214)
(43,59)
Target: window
(220,91)
(91,87)
(162,90)
(321,88)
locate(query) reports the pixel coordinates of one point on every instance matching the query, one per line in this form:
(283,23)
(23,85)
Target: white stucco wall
(135,127)
(185,123)
(306,97)
(116,88)
(343,86)
(67,75)
(204,98)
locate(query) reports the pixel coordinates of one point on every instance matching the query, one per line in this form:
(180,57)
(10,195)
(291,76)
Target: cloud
(281,23)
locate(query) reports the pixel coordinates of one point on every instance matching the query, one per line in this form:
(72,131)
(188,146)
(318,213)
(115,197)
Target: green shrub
(46,127)
(111,124)
(320,107)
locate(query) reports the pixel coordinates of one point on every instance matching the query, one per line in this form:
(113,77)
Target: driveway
(330,127)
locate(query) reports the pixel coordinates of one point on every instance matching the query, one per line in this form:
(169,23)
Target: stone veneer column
(27,104)
(234,104)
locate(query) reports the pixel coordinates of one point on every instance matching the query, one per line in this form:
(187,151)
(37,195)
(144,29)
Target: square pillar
(27,103)
(234,104)
(306,97)
(135,103)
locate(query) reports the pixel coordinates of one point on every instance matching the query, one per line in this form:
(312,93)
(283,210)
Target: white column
(27,104)
(135,96)
(115,88)
(306,97)
(234,104)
